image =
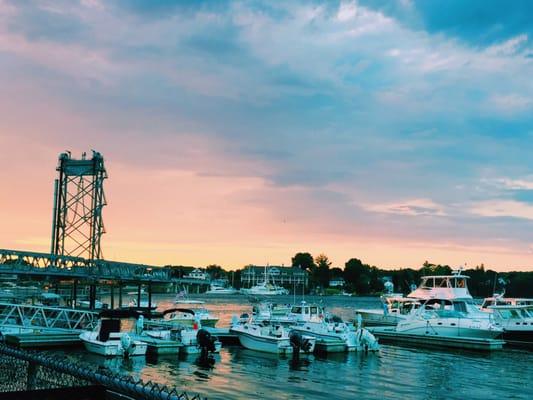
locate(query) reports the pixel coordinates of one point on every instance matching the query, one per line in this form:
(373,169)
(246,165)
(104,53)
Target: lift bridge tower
(77,225)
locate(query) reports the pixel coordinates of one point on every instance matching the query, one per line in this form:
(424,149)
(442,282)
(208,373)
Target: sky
(242,132)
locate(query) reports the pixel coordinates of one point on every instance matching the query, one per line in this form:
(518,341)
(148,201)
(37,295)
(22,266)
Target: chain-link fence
(22,370)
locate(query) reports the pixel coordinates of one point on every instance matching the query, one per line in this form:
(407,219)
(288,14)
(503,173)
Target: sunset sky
(238,132)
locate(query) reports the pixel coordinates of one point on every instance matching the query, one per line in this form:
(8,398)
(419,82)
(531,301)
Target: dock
(224,335)
(43,339)
(387,334)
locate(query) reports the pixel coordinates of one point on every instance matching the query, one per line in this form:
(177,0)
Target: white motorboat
(186,336)
(449,318)
(188,317)
(221,290)
(395,307)
(333,329)
(111,339)
(270,338)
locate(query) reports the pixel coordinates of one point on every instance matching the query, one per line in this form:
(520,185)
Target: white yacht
(269,338)
(517,323)
(265,289)
(214,289)
(449,318)
(396,307)
(111,339)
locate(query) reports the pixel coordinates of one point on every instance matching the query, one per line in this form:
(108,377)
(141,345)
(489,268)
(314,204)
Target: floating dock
(389,334)
(160,346)
(44,339)
(224,335)
(327,346)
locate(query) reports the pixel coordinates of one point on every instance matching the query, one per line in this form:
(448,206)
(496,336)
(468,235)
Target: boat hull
(263,344)
(447,329)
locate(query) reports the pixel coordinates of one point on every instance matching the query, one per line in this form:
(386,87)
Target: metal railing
(22,370)
(28,316)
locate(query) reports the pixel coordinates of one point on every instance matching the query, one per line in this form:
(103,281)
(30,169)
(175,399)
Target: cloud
(414,207)
(503,208)
(319,107)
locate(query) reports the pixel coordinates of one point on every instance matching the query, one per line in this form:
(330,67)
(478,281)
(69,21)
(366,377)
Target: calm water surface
(393,373)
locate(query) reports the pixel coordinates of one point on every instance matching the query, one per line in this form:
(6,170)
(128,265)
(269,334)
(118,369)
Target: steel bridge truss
(31,263)
(41,317)
(77,225)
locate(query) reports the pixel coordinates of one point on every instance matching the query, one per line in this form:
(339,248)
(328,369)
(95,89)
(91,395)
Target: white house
(336,282)
(197,274)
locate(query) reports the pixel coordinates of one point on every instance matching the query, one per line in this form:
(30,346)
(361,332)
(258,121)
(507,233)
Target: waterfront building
(336,282)
(197,273)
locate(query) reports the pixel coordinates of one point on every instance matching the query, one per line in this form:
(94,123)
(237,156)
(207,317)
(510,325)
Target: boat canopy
(120,313)
(183,310)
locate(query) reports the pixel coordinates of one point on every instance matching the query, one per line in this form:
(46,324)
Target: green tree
(215,271)
(304,261)
(357,276)
(322,270)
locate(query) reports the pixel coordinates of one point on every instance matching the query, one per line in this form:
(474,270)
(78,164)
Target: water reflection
(393,373)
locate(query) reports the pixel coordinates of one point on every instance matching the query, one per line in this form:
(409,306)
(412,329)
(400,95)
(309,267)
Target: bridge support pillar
(150,294)
(119,294)
(92,296)
(112,287)
(139,295)
(74,296)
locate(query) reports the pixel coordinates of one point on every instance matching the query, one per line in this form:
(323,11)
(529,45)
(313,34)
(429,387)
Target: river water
(393,373)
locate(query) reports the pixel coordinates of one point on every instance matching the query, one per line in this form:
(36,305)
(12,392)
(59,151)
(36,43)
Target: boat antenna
(494,286)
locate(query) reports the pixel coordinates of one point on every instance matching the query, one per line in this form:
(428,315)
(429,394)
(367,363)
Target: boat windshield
(296,310)
(510,313)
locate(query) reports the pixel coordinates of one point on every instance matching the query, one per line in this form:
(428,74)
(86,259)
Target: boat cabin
(306,312)
(442,286)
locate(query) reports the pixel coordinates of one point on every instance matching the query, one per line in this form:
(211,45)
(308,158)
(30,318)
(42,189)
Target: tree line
(364,279)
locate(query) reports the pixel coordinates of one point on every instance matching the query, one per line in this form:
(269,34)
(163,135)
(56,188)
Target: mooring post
(31,382)
(149,294)
(74,293)
(139,295)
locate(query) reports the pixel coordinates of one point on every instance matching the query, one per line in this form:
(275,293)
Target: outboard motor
(299,343)
(206,343)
